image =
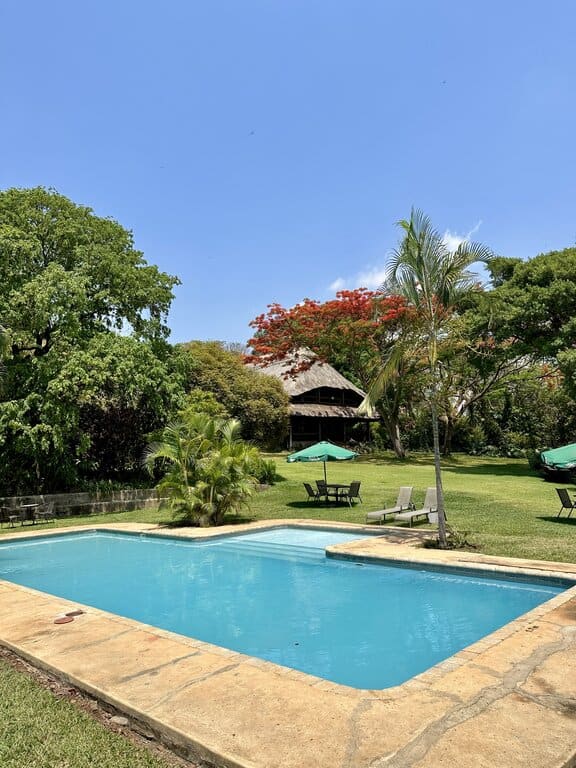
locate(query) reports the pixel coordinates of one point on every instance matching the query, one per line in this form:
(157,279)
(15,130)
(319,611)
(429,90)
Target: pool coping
(28,630)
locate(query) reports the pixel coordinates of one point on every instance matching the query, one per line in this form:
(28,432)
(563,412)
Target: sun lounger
(430,506)
(402,502)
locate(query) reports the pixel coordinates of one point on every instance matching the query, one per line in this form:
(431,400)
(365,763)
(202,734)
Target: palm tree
(434,280)
(208,467)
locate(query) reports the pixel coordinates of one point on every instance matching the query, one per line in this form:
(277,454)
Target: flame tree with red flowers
(350,332)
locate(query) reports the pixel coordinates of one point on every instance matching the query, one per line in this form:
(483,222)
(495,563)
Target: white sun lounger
(402,502)
(430,505)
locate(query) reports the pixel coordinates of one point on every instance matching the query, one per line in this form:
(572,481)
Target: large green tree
(531,311)
(70,283)
(66,274)
(256,400)
(84,414)
(533,303)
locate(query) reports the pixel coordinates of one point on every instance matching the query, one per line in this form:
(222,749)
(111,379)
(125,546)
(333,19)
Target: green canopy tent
(560,459)
(324,452)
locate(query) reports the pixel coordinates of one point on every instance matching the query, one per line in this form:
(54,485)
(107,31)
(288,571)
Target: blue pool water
(276,595)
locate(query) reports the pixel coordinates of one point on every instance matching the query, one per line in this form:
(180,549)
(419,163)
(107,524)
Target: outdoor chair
(429,507)
(351,493)
(10,516)
(404,501)
(322,490)
(312,494)
(46,514)
(566,501)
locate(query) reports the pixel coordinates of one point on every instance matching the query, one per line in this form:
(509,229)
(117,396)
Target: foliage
(200,401)
(208,468)
(68,274)
(263,470)
(76,398)
(86,414)
(346,332)
(455,539)
(256,400)
(534,303)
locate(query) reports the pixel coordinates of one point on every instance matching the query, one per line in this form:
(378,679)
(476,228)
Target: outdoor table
(337,488)
(27,511)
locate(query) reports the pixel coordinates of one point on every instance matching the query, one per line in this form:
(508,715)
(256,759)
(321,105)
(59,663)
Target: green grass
(508,509)
(38,730)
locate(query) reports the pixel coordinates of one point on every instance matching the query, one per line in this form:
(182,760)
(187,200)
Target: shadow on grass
(517,470)
(562,520)
(228,520)
(278,478)
(308,505)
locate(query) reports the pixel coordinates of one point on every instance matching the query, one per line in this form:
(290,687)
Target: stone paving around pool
(508,700)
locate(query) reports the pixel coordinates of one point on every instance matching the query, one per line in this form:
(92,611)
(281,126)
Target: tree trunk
(396,439)
(438,471)
(449,426)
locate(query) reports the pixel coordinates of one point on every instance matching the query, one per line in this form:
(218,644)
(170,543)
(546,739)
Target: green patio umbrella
(324,452)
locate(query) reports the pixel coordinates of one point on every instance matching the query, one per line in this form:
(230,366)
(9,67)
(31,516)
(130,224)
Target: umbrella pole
(325,480)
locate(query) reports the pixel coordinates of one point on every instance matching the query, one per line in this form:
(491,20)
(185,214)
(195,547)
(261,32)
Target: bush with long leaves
(207,468)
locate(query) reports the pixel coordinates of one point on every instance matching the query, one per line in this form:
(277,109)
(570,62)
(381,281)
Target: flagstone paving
(508,700)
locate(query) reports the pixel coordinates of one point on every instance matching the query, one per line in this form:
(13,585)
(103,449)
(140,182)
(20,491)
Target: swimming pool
(276,596)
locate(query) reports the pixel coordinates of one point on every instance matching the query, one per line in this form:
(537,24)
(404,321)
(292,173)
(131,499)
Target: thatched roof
(327,411)
(317,375)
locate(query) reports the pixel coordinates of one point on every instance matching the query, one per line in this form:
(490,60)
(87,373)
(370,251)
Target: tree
(69,283)
(533,303)
(66,274)
(351,333)
(531,312)
(121,393)
(256,400)
(208,468)
(86,414)
(433,280)
(347,332)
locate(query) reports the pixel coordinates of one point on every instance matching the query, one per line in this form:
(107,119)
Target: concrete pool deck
(507,700)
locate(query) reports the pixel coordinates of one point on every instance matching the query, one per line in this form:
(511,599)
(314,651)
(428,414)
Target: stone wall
(67,504)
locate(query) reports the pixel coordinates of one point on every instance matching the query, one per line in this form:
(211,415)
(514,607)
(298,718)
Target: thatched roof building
(323,403)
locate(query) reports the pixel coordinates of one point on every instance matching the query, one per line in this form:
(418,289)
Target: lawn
(506,508)
(39,730)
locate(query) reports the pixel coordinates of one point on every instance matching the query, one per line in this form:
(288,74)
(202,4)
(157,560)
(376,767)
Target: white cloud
(452,240)
(373,277)
(338,285)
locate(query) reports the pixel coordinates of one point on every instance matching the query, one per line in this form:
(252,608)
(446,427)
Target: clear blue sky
(262,150)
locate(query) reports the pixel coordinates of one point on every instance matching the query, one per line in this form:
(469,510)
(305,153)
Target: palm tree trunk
(438,471)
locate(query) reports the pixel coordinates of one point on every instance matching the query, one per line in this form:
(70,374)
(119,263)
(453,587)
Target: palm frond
(389,369)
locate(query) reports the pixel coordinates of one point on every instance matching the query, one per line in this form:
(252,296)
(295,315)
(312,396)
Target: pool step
(269,549)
